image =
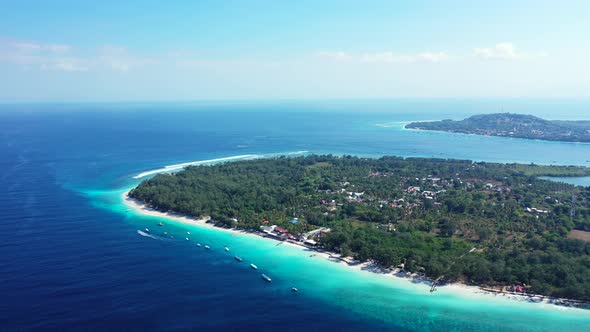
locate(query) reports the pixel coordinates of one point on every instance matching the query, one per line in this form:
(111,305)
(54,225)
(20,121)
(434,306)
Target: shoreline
(484,135)
(148,211)
(359,266)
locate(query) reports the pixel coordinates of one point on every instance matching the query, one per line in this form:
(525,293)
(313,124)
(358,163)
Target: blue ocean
(72,258)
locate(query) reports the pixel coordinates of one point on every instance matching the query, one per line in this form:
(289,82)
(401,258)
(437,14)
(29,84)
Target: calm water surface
(72,258)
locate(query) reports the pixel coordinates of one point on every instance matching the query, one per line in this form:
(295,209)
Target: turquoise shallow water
(375,296)
(74,260)
(583,181)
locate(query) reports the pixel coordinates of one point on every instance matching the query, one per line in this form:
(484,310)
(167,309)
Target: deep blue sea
(71,258)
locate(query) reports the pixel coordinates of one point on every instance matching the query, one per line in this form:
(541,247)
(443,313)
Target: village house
(535,210)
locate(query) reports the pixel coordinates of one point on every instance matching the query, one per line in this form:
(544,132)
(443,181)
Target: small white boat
(186,238)
(293,289)
(189,233)
(207,247)
(165,233)
(160,224)
(267,278)
(238,258)
(227,249)
(198,245)
(254,266)
(147,230)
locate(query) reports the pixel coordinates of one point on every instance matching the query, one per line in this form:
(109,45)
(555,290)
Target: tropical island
(512,125)
(492,225)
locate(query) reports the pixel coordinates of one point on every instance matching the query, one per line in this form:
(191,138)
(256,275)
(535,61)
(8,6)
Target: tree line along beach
(448,221)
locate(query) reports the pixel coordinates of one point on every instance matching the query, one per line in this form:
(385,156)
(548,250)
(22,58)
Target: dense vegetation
(483,223)
(513,125)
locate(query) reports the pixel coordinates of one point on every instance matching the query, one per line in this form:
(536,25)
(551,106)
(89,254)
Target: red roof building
(281,230)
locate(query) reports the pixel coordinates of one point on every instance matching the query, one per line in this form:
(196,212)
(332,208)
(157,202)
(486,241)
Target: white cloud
(44,56)
(26,46)
(60,57)
(119,59)
(504,51)
(384,57)
(335,55)
(501,51)
(433,57)
(70,65)
(390,57)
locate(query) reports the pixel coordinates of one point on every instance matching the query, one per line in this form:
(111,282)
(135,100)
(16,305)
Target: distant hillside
(512,125)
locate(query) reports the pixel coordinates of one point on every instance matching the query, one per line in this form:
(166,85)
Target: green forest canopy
(425,213)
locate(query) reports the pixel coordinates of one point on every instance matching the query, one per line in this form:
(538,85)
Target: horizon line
(270,100)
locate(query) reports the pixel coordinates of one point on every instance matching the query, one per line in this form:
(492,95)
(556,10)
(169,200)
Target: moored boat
(265,277)
(238,258)
(254,266)
(207,247)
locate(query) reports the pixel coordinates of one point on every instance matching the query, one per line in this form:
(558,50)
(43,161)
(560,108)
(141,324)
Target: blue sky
(245,49)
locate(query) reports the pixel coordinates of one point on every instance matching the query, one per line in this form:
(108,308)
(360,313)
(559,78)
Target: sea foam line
(392,124)
(170,168)
(397,123)
(297,152)
(174,167)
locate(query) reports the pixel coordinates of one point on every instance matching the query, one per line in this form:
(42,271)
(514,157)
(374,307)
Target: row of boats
(239,260)
(236,257)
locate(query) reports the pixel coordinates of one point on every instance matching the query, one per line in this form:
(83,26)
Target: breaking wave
(146,234)
(176,167)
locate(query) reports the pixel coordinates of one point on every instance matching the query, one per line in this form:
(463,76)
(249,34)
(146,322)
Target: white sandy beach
(145,210)
(368,267)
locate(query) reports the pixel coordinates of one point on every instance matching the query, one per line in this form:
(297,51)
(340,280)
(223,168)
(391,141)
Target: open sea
(71,258)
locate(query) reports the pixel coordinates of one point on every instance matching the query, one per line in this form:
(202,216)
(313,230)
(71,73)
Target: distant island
(494,225)
(512,125)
